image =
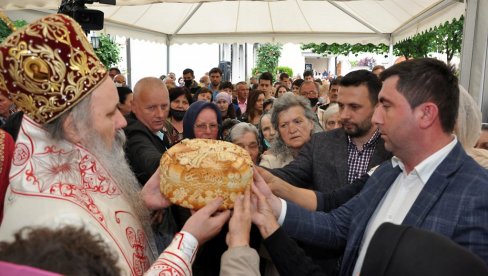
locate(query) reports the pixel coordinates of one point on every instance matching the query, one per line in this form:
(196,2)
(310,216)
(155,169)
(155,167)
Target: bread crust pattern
(196,171)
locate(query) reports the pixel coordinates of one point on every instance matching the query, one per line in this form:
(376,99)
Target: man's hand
(278,186)
(261,185)
(151,193)
(207,222)
(262,215)
(240,222)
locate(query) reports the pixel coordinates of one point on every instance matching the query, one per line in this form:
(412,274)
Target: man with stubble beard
(336,158)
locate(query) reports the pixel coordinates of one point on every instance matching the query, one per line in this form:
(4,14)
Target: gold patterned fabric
(49,66)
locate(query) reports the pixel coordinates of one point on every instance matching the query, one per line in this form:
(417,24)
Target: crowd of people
(363,174)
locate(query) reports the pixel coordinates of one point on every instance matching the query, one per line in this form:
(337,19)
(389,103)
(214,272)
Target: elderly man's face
(309,90)
(242,92)
(106,117)
(151,106)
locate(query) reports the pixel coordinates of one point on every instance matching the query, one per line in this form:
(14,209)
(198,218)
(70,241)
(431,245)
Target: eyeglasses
(203,127)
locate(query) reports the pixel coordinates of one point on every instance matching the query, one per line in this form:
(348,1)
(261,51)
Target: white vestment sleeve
(177,258)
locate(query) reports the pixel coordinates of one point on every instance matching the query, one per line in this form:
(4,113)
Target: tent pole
(245,62)
(168,52)
(129,62)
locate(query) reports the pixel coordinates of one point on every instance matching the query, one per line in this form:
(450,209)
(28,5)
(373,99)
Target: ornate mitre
(48,67)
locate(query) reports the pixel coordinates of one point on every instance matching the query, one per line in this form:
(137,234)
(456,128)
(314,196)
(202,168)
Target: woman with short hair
(294,121)
(246,136)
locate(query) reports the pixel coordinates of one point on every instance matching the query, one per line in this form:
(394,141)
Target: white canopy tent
(296,21)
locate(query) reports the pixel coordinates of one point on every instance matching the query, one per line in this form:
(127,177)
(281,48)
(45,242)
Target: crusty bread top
(196,171)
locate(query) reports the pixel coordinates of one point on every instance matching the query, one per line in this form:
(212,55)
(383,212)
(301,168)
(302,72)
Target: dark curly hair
(68,250)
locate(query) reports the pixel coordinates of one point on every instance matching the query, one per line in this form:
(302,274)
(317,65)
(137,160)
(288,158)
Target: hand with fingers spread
(262,214)
(207,222)
(240,222)
(151,193)
(261,185)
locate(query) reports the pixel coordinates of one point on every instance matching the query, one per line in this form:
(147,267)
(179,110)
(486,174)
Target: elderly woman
(267,132)
(295,122)
(330,118)
(245,135)
(202,120)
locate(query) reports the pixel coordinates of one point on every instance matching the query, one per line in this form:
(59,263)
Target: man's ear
(428,113)
(70,131)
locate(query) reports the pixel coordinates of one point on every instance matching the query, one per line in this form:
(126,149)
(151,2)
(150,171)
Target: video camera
(88,19)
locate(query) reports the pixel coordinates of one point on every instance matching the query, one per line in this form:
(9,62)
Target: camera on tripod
(88,19)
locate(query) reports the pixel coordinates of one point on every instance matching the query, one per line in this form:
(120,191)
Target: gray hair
(81,117)
(332,109)
(278,146)
(240,129)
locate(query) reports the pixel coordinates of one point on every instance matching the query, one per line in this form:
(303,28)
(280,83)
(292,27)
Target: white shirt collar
(425,168)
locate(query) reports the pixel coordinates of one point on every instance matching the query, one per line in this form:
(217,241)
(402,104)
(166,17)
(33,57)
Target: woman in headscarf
(202,120)
(224,102)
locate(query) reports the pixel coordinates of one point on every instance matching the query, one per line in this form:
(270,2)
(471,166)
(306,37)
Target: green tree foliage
(448,38)
(108,51)
(5,31)
(415,47)
(345,49)
(284,69)
(268,57)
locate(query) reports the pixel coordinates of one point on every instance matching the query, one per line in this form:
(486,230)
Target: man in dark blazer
(334,159)
(431,183)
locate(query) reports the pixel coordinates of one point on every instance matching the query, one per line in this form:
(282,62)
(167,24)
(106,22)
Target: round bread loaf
(195,172)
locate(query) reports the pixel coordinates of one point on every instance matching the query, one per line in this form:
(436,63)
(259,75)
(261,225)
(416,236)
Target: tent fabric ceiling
(297,21)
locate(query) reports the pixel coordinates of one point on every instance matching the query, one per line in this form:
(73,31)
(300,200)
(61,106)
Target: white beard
(114,161)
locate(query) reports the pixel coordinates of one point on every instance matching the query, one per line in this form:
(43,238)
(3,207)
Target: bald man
(145,140)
